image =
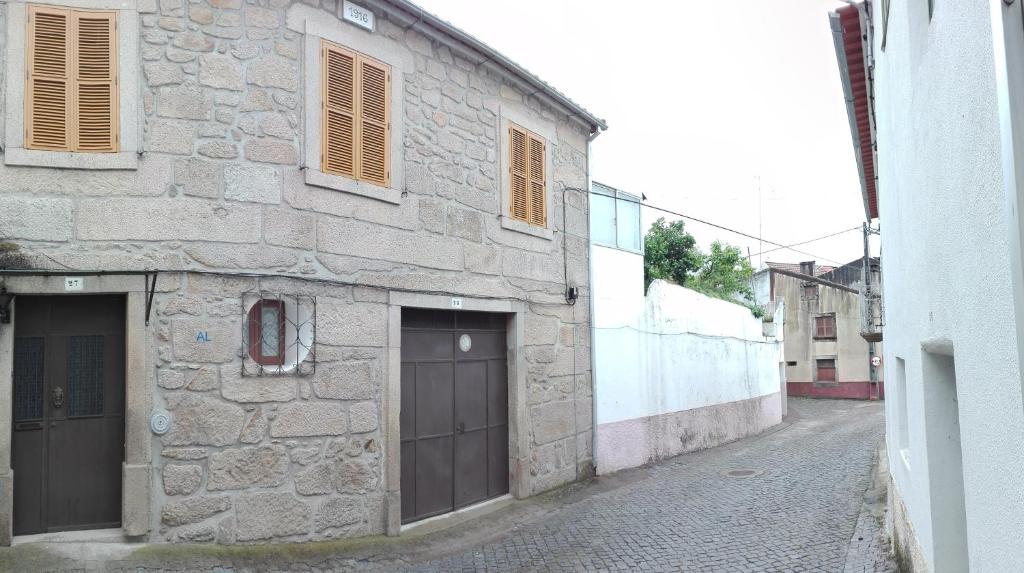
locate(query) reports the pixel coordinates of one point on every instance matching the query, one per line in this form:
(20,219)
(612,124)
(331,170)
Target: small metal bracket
(150,291)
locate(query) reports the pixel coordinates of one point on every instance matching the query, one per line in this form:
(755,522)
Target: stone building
(827,354)
(282,271)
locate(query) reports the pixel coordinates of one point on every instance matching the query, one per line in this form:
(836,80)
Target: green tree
(670,253)
(725,273)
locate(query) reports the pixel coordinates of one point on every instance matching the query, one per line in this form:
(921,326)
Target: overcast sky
(701,99)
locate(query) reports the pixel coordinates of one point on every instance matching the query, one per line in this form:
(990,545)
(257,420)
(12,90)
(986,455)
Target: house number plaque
(358,15)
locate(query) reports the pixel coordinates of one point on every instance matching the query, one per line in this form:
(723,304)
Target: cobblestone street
(804,500)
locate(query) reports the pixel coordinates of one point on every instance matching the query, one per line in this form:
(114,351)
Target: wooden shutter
(71,94)
(519,204)
(49,65)
(528,200)
(374,121)
(95,81)
(338,117)
(538,212)
(356,116)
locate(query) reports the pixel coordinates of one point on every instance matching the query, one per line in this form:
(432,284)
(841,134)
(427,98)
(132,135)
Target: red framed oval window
(267,323)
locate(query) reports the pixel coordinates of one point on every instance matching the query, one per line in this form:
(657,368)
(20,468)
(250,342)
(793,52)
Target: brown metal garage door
(454,421)
(68,430)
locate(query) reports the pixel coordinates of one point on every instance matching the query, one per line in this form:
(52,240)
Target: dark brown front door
(454,420)
(68,431)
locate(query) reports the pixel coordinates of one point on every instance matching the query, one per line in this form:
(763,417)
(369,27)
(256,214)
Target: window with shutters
(527,180)
(355,124)
(825,326)
(71,91)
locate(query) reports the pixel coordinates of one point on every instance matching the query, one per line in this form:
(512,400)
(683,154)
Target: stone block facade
(223,202)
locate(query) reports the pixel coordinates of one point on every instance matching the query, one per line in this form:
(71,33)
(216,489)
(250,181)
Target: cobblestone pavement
(813,503)
(799,515)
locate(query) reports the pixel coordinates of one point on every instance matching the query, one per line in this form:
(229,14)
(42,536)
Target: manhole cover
(743,473)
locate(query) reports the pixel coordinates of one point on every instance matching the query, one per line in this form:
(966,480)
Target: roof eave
(488,54)
(852,98)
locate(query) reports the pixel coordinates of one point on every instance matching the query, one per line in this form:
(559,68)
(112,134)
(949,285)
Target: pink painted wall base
(844,390)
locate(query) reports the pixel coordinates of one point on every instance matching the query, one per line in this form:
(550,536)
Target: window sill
(68,160)
(825,338)
(253,369)
(826,384)
(526,228)
(361,188)
(618,248)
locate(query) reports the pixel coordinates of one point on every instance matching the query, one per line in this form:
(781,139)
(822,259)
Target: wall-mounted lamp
(5,305)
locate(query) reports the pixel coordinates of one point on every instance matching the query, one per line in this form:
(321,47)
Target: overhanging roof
(851,42)
(424,21)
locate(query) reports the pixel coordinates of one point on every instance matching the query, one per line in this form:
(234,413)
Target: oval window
(279,334)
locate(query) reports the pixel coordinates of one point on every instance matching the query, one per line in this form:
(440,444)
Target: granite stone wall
(221,189)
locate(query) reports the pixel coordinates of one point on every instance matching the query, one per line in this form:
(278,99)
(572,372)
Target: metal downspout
(593,328)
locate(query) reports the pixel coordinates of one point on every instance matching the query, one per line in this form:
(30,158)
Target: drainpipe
(869,318)
(593,329)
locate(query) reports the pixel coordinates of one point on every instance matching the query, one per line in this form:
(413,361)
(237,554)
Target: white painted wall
(946,277)
(763,287)
(673,351)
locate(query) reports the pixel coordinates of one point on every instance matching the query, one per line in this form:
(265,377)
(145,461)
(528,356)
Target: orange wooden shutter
(95,81)
(71,95)
(374,121)
(338,117)
(46,95)
(538,213)
(518,170)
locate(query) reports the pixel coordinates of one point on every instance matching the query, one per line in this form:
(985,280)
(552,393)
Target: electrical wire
(741,233)
(857,228)
(724,228)
(5,273)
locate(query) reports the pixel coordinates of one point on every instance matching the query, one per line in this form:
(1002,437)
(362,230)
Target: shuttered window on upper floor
(71,92)
(355,115)
(527,183)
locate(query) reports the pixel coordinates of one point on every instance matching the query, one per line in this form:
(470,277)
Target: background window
(602,219)
(825,370)
(825,326)
(615,218)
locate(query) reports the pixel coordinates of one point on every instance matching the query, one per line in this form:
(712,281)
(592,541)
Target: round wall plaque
(465,343)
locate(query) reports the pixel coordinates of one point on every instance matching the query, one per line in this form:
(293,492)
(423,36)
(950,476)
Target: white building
(674,371)
(934,91)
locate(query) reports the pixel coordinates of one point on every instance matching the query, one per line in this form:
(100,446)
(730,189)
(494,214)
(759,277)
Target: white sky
(701,98)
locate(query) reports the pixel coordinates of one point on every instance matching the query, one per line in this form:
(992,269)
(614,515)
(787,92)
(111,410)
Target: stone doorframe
(139,384)
(518,425)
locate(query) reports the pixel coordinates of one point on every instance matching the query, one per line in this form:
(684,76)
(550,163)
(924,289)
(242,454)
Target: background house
(296,271)
(826,354)
(933,91)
